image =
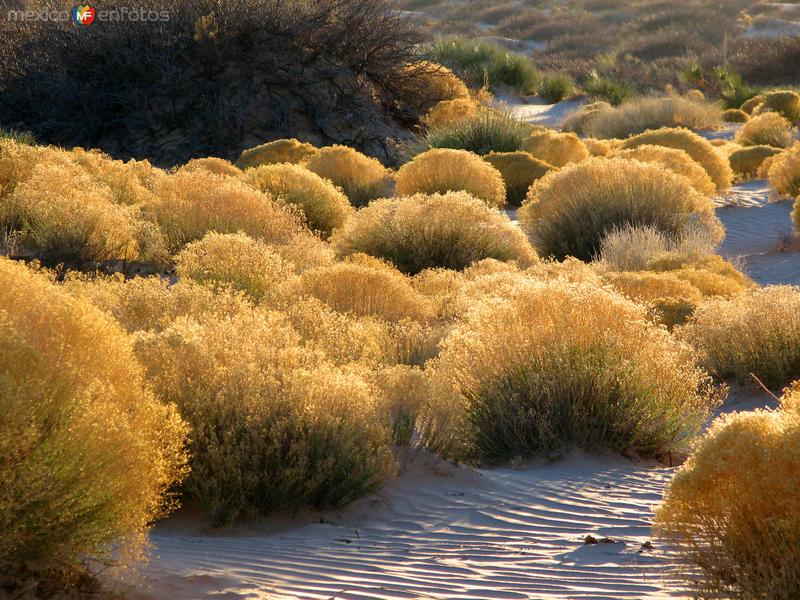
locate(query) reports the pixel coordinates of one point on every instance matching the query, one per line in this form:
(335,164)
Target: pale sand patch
(538,111)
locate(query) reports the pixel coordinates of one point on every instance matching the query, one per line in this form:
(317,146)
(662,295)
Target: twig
(765,388)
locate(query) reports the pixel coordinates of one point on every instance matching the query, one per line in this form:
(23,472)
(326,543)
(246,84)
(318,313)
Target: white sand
(536,110)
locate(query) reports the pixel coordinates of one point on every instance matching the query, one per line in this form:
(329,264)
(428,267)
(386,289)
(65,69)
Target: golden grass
(749,106)
(735,115)
(786,103)
(449,111)
(677,161)
(642,114)
(360,177)
(519,171)
(440,82)
(557,149)
(218,166)
(278,151)
(784,174)
(747,162)
(766,129)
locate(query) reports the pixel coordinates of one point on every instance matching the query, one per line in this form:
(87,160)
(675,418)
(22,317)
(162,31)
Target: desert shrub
(748,161)
(785,103)
(88,456)
(695,96)
(784,173)
(673,298)
(557,149)
(694,145)
(218,166)
(190,204)
(640,115)
(519,171)
(484,132)
(450,111)
(558,365)
(604,88)
(278,151)
(766,129)
(556,87)
(444,170)
(237,260)
(325,207)
(130,183)
(580,120)
(598,147)
(634,248)
(441,81)
(569,212)
(757,332)
(451,230)
(732,510)
(271,425)
(360,177)
(749,106)
(675,160)
(735,115)
(21,137)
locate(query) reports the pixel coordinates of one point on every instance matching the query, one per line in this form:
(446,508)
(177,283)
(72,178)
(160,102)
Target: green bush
(604,88)
(555,88)
(484,132)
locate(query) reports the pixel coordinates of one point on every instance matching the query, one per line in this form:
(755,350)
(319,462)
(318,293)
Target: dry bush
(218,166)
(360,177)
(441,81)
(519,171)
(580,121)
(130,183)
(634,248)
(733,509)
(558,365)
(766,129)
(423,231)
(569,212)
(325,206)
(694,145)
(735,115)
(749,106)
(598,147)
(756,332)
(785,103)
(784,174)
(672,298)
(443,170)
(643,114)
(278,151)
(557,149)
(675,160)
(188,205)
(449,111)
(237,260)
(88,456)
(747,162)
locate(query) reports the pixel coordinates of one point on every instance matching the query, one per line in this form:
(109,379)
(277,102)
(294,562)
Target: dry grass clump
(749,106)
(747,162)
(756,332)
(558,365)
(278,151)
(519,171)
(237,260)
(672,298)
(450,111)
(694,145)
(130,183)
(87,454)
(598,147)
(440,81)
(640,115)
(785,103)
(675,160)
(766,129)
(360,177)
(733,509)
(443,170)
(634,248)
(218,166)
(569,212)
(486,131)
(580,121)
(323,204)
(557,149)
(784,175)
(451,230)
(735,115)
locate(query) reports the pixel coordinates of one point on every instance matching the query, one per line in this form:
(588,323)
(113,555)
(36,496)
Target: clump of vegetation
(606,89)
(746,162)
(580,120)
(639,115)
(757,332)
(785,103)
(448,112)
(677,161)
(766,129)
(88,456)
(569,212)
(444,170)
(485,131)
(784,174)
(519,171)
(749,106)
(324,206)
(694,145)
(557,149)
(360,177)
(219,166)
(451,231)
(732,510)
(441,81)
(556,87)
(277,151)
(735,115)
(558,365)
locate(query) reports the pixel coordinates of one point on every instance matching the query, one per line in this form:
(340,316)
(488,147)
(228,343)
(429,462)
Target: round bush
(324,206)
(735,115)
(580,121)
(695,96)
(785,103)
(569,212)
(444,170)
(559,365)
(784,174)
(360,177)
(87,453)
(598,147)
(748,106)
(278,151)
(676,161)
(519,171)
(441,82)
(694,145)
(748,161)
(449,111)
(557,149)
(766,129)
(649,113)
(219,166)
(451,230)
(486,131)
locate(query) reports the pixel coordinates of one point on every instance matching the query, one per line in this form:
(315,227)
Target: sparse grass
(519,171)
(556,87)
(557,149)
(580,120)
(766,129)
(21,137)
(278,151)
(423,231)
(634,248)
(360,177)
(606,89)
(485,131)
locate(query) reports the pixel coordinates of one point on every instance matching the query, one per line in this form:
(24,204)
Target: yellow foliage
(750,105)
(519,171)
(784,175)
(278,151)
(557,149)
(747,161)
(360,177)
(785,103)
(218,166)
(449,111)
(675,160)
(440,82)
(735,115)
(766,129)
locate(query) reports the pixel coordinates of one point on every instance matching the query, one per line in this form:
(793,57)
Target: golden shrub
(130,182)
(695,95)
(557,149)
(675,160)
(305,252)
(440,82)
(449,111)
(237,260)
(598,147)
(580,121)
(324,206)
(735,115)
(360,177)
(766,129)
(88,456)
(519,171)
(443,170)
(423,231)
(785,103)
(784,174)
(635,248)
(558,365)
(17,162)
(750,105)
(218,166)
(650,113)
(568,212)
(733,509)
(277,151)
(694,145)
(748,161)
(673,298)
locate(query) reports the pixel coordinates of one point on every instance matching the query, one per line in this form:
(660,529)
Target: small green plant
(21,137)
(555,88)
(604,88)
(484,132)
